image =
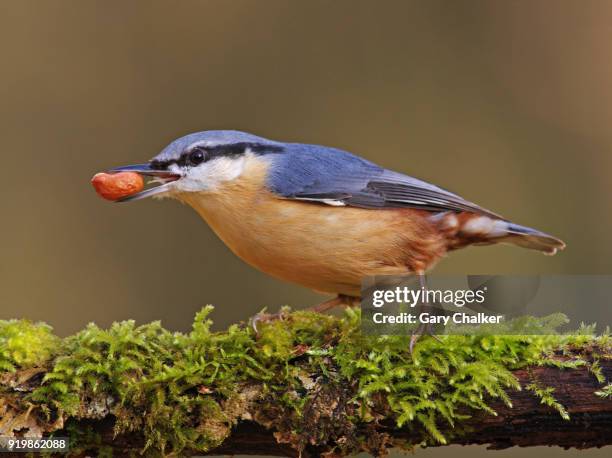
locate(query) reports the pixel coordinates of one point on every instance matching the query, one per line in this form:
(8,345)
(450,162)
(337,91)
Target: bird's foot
(263,317)
(339,301)
(423,329)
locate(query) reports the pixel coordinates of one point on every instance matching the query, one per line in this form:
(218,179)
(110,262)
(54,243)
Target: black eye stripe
(230,150)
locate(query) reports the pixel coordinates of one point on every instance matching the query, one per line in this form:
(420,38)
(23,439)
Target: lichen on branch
(314,380)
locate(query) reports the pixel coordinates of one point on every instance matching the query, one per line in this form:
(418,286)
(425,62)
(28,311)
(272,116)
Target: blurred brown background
(506,103)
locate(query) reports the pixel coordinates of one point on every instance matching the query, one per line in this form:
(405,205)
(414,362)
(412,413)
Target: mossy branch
(310,384)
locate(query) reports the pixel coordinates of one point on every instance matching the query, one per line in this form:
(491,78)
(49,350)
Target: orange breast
(325,248)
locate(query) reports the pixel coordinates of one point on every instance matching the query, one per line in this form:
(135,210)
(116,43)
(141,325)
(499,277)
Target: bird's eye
(197,157)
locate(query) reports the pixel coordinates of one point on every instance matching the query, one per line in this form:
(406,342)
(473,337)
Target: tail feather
(472,229)
(533,239)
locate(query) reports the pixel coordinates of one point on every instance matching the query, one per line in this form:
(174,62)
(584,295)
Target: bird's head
(200,162)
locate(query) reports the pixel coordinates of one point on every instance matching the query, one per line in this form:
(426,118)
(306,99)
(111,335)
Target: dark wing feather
(326,175)
(416,196)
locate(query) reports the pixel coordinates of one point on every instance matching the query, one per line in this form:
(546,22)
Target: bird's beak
(161,177)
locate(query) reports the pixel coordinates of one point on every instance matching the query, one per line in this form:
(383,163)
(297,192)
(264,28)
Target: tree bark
(527,423)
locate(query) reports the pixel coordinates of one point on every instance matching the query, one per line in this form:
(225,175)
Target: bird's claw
(422,329)
(263,317)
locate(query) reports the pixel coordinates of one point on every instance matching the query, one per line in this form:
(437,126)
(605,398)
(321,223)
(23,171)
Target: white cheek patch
(209,175)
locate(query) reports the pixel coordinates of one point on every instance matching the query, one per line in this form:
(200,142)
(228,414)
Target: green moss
(25,344)
(605,392)
(546,397)
(315,379)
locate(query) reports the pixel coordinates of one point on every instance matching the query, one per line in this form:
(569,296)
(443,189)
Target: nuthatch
(322,217)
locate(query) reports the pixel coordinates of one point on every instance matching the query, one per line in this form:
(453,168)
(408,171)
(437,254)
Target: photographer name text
(428,318)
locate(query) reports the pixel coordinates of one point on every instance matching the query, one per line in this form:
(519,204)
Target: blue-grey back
(320,173)
(303,169)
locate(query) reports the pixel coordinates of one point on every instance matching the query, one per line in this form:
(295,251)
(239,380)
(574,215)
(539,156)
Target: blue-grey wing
(335,177)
